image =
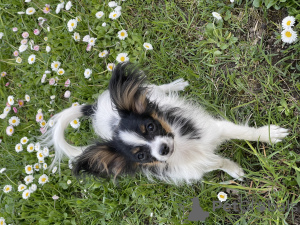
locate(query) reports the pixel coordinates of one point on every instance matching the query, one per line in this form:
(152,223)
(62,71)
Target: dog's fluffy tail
(54,136)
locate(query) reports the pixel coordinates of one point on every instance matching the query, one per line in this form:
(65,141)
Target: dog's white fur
(191,158)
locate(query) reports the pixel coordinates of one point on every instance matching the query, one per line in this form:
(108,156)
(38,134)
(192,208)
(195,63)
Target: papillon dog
(150,128)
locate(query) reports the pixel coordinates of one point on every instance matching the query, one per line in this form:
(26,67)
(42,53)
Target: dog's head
(142,137)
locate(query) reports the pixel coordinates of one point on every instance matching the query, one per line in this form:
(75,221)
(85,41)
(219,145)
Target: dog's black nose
(164,149)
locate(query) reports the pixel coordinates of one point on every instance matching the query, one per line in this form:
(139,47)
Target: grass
(238,69)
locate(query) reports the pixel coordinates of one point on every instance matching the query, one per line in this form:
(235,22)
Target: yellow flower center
(122,58)
(72,24)
(29,168)
(13,121)
(27,194)
(114,15)
(31,148)
(22,188)
(75,122)
(122,34)
(60,72)
(56,65)
(41,155)
(47,8)
(288,34)
(24,141)
(147,46)
(43,179)
(7,189)
(32,59)
(30,11)
(37,166)
(110,67)
(289,23)
(19,147)
(40,117)
(10,130)
(222,196)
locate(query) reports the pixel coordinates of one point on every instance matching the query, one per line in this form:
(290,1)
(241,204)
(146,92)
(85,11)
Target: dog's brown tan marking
(143,128)
(163,123)
(135,150)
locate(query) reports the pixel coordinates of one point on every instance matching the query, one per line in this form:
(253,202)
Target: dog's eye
(141,156)
(151,127)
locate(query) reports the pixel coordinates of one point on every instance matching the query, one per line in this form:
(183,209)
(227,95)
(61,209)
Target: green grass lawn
(238,69)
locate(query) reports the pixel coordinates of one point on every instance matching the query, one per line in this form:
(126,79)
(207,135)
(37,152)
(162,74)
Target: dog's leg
(175,86)
(269,134)
(228,166)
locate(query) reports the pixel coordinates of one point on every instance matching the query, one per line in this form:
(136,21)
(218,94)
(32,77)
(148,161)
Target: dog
(149,128)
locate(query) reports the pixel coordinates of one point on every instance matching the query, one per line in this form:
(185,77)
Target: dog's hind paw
(272,134)
(178,85)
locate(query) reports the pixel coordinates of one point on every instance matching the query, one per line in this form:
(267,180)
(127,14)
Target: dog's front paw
(272,134)
(236,172)
(179,85)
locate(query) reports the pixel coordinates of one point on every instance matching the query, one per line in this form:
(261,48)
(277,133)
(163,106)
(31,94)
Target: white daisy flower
(87,73)
(19,59)
(21,187)
(27,98)
(32,188)
(48,48)
(115,15)
(40,155)
(7,188)
(14,121)
(122,34)
(86,38)
(1,35)
(118,8)
(72,24)
(45,166)
(103,54)
(26,194)
(75,104)
(55,65)
(37,146)
(19,147)
(104,24)
(69,182)
(51,123)
(30,11)
(43,123)
(10,100)
(75,124)
(31,59)
(68,5)
(288,22)
(46,151)
(60,71)
(217,15)
(99,14)
(112,4)
(92,41)
(36,167)
(2,170)
(23,48)
(54,169)
(59,7)
(288,36)
(30,147)
(222,196)
(7,108)
(76,36)
(10,130)
(147,46)
(24,140)
(43,179)
(28,179)
(29,169)
(2,221)
(122,57)
(110,66)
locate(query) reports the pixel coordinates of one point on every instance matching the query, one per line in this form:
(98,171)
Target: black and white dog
(150,128)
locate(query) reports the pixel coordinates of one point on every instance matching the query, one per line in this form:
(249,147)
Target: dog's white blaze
(132,138)
(156,144)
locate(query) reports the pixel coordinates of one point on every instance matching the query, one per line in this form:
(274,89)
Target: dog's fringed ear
(127,89)
(101,160)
